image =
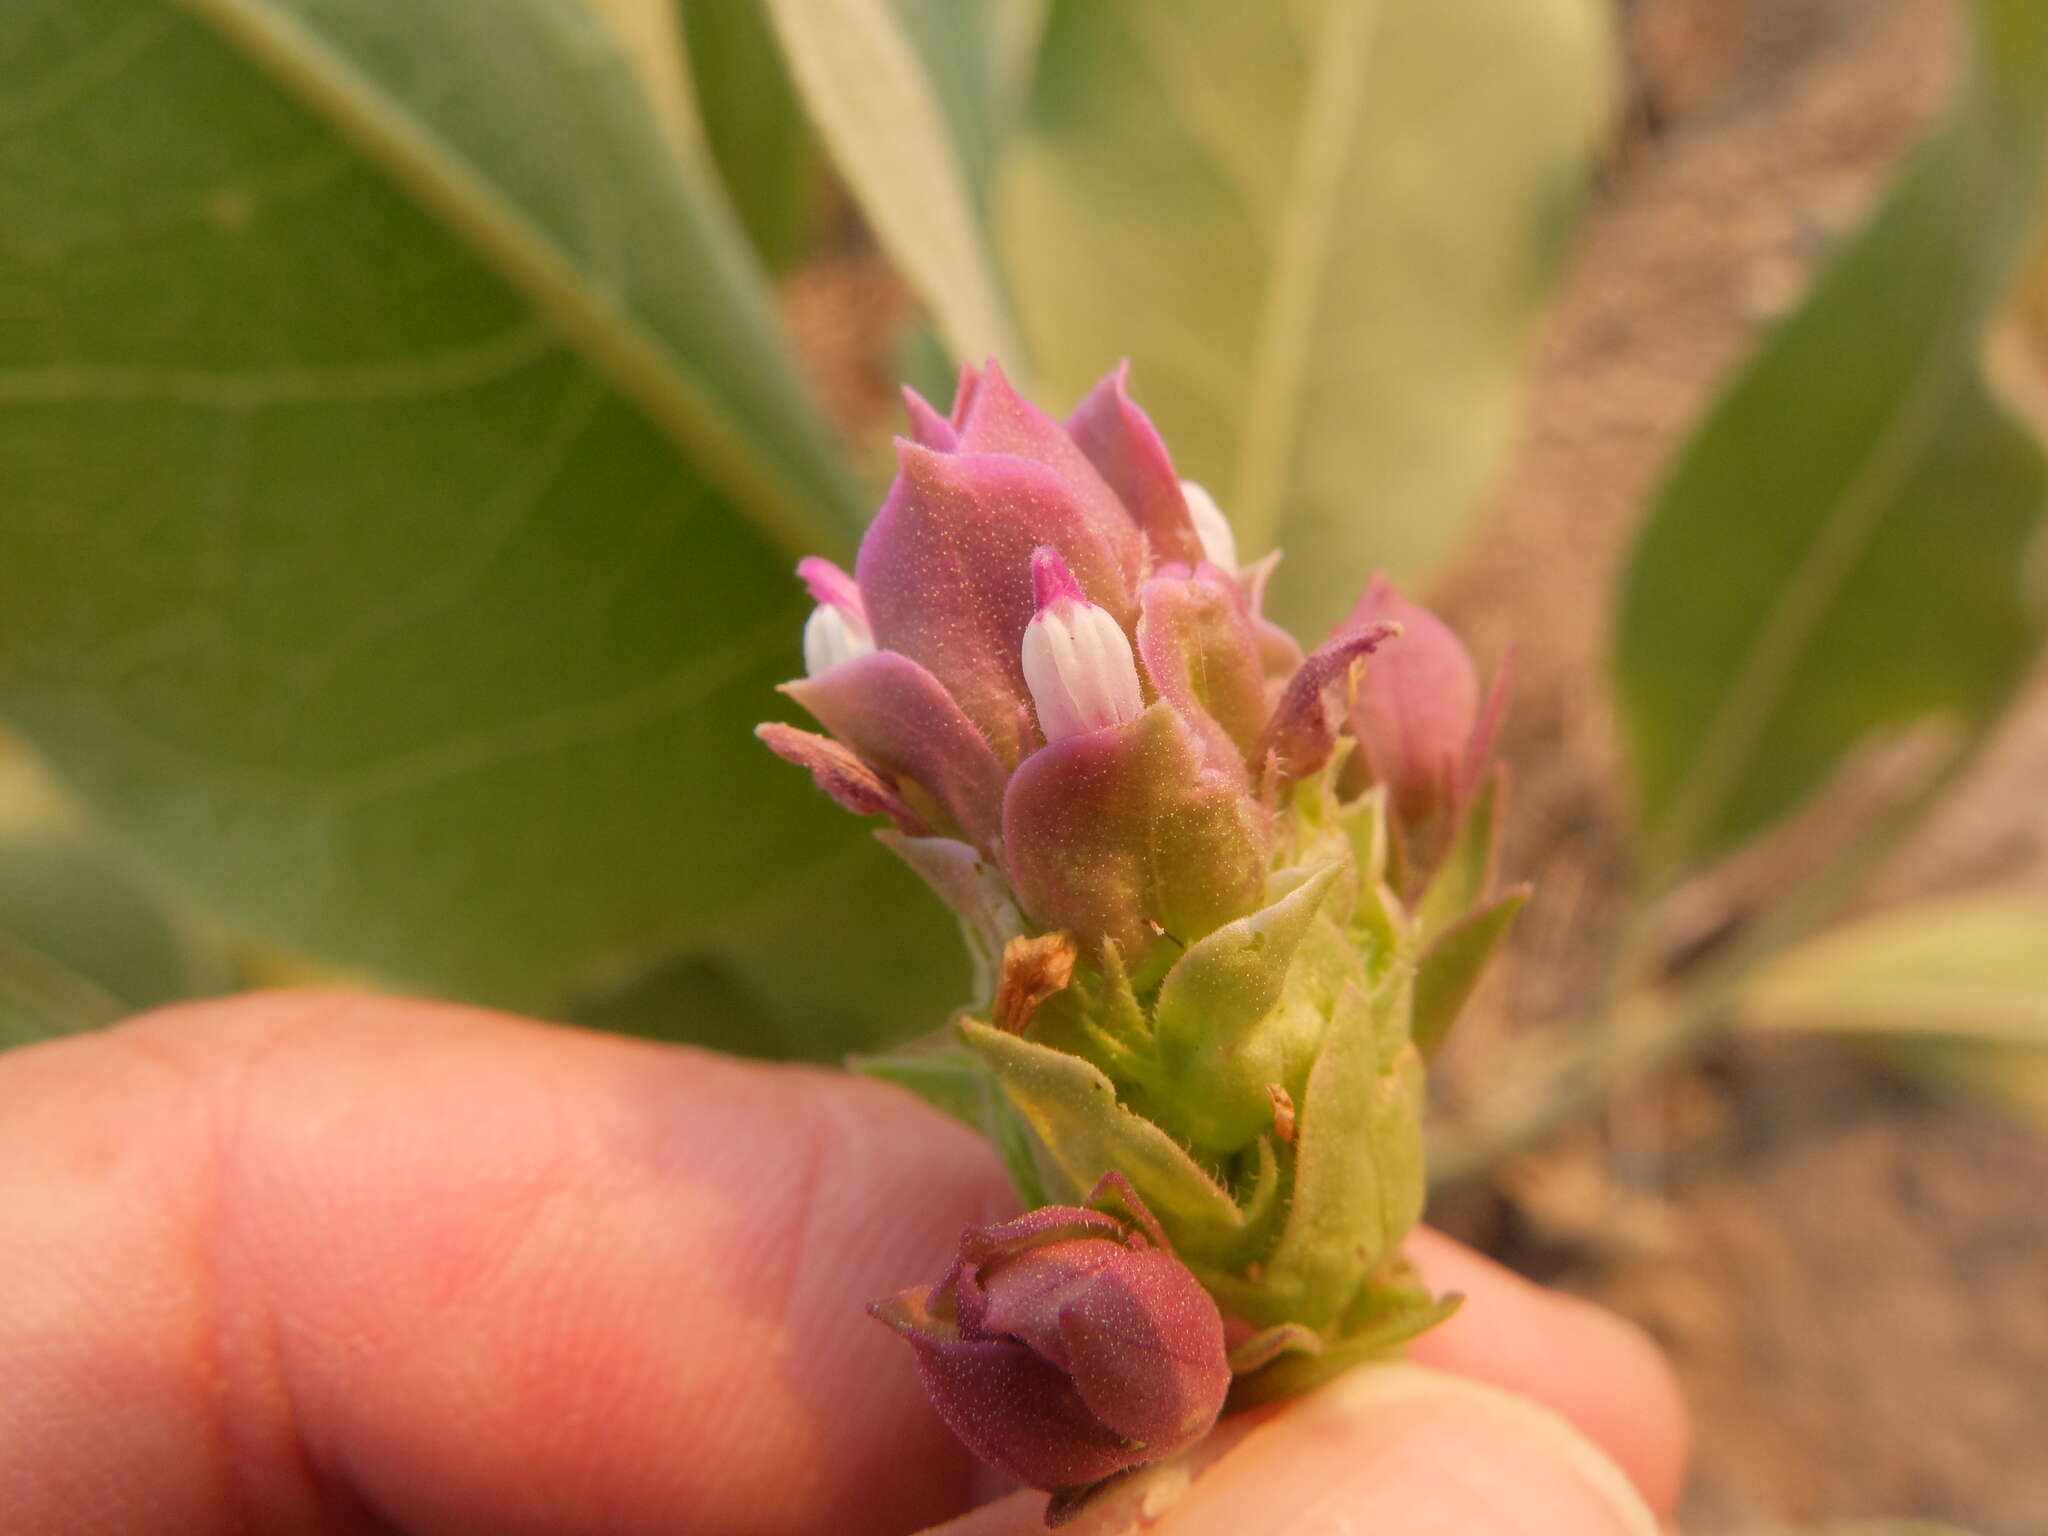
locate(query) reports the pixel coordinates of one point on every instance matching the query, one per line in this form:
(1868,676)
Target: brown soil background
(1848,1270)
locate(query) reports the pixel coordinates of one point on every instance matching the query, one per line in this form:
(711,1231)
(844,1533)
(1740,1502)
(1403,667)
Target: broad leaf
(401,480)
(651,34)
(83,943)
(2014,1077)
(882,120)
(1974,966)
(1321,232)
(755,130)
(979,55)
(1838,551)
(1953,991)
(956,42)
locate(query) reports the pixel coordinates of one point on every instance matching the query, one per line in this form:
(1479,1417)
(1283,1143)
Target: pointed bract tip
(1051,581)
(964,389)
(927,426)
(829,584)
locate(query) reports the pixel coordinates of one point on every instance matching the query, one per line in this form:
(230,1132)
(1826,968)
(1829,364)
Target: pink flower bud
(837,629)
(1418,714)
(1066,1345)
(1077,662)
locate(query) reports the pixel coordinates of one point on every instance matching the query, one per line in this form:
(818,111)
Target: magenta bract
(1039,654)
(1066,1345)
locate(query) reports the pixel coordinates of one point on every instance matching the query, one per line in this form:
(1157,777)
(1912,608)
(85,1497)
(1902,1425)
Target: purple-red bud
(1066,1345)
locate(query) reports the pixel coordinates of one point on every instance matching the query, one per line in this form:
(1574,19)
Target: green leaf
(650,33)
(401,482)
(956,42)
(1358,1185)
(1321,232)
(881,119)
(83,944)
(978,897)
(2014,1077)
(956,1082)
(1466,876)
(1955,991)
(1836,551)
(1975,966)
(764,149)
(1450,968)
(1073,1109)
(1228,1025)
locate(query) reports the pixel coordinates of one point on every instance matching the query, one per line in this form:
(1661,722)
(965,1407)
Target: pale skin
(326,1263)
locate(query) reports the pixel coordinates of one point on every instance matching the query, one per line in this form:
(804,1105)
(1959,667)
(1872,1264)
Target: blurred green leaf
(1321,232)
(2014,1077)
(958,43)
(650,32)
(1974,966)
(953,1080)
(1953,990)
(401,480)
(756,131)
(1450,970)
(1837,552)
(83,944)
(880,116)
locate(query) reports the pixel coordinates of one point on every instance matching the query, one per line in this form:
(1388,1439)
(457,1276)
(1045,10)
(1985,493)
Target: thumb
(1398,1450)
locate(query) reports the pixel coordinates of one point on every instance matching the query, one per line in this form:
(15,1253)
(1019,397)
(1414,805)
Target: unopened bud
(1065,1346)
(1219,544)
(1077,662)
(1417,709)
(837,629)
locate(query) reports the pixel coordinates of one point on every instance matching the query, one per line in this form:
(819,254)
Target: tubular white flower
(832,635)
(837,629)
(1077,662)
(1211,526)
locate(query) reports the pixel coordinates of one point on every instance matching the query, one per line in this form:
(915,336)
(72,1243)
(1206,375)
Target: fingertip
(1389,1448)
(1402,1448)
(1598,1371)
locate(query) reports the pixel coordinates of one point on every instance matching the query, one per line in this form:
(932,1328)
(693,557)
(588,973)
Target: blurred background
(1846,1261)
(409,413)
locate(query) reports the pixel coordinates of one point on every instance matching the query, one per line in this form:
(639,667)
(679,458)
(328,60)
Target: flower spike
(1223,898)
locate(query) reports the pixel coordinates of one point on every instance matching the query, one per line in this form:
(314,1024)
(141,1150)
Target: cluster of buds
(1224,896)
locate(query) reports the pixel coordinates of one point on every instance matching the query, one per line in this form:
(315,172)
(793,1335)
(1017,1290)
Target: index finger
(288,1260)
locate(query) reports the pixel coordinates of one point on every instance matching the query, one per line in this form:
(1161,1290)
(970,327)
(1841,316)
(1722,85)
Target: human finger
(328,1263)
